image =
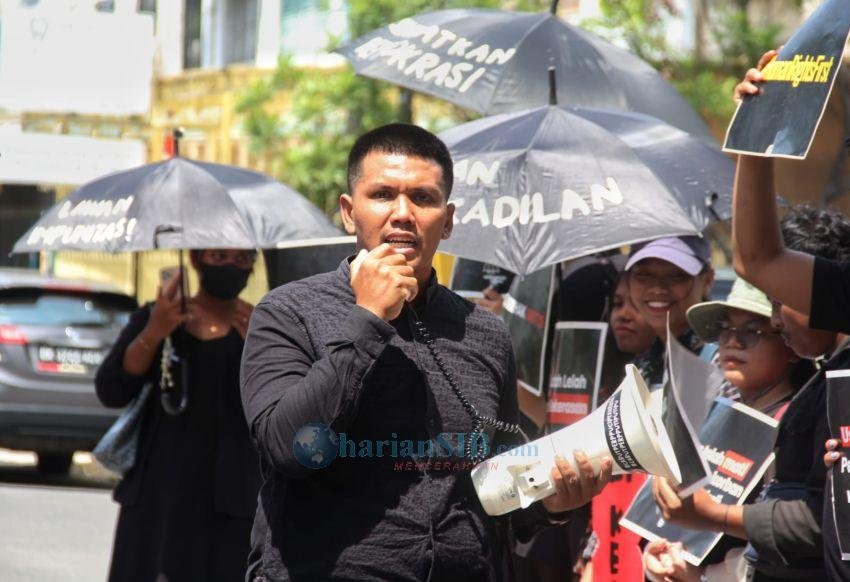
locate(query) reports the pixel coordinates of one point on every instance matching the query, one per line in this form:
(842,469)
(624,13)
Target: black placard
(838,416)
(738,443)
(782,121)
(470,278)
(578,349)
(527,314)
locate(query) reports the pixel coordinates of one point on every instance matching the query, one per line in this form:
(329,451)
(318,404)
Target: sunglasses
(746,337)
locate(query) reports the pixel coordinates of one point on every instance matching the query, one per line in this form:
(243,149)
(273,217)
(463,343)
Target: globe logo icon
(315,445)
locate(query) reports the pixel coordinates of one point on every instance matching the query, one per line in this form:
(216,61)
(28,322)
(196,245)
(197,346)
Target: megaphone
(623,428)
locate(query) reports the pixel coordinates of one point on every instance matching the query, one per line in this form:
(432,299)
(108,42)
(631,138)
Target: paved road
(58,528)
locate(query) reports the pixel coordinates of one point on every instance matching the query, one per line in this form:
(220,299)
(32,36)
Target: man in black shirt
(402,370)
(817,289)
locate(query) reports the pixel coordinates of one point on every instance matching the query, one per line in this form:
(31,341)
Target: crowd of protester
(378,347)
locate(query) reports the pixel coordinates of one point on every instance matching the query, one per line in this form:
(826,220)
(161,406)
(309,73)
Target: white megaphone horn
(622,428)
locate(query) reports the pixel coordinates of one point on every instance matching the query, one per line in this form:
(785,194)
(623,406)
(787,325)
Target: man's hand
(575,489)
(492,301)
(699,511)
(748,86)
(382,281)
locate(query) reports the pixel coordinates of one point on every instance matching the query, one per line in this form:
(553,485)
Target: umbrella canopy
(177,203)
(495,61)
(543,185)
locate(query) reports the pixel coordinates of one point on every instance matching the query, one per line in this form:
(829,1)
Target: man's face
(399,200)
(794,326)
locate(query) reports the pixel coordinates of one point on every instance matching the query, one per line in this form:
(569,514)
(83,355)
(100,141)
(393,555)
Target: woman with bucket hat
(766,373)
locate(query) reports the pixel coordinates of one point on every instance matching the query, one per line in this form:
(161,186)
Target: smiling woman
(666,277)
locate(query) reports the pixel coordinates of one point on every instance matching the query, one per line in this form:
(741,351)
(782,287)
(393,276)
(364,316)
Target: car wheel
(54,463)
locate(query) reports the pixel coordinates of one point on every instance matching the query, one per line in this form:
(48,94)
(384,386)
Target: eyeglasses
(746,337)
(242,259)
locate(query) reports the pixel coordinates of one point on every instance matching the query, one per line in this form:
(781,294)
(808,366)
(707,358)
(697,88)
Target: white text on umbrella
(529,209)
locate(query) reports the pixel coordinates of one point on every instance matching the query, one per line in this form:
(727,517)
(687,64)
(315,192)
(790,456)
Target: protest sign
(681,403)
(578,348)
(696,380)
(782,121)
(738,443)
(470,278)
(526,311)
(618,556)
(838,417)
(686,444)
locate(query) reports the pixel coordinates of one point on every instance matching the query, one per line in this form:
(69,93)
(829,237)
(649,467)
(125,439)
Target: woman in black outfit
(188,503)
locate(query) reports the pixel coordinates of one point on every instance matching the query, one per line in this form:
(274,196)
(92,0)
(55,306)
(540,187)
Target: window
(192,34)
(240,33)
(307,26)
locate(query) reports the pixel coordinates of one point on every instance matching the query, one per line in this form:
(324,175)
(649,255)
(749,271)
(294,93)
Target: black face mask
(223,281)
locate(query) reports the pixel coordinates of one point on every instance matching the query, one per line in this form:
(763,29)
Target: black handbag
(116,450)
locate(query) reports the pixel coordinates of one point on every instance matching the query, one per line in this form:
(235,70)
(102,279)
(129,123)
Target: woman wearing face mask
(188,503)
(767,373)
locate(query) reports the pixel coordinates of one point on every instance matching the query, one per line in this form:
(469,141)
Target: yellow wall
(201,103)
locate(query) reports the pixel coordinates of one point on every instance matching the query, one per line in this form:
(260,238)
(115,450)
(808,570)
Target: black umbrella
(543,185)
(179,204)
(495,61)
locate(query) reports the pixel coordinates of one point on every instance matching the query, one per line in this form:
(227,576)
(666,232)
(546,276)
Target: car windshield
(53,308)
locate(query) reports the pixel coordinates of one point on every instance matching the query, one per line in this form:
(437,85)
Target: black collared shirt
(313,356)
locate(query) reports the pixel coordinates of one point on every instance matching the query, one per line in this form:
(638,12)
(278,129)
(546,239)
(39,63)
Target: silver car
(53,335)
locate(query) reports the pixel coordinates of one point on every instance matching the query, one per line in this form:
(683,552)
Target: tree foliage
(731,43)
(327,109)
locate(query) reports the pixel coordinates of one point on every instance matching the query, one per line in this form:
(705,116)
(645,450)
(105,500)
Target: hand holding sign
(832,453)
(699,511)
(748,86)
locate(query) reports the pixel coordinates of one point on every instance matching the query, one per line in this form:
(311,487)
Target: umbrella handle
(177,135)
(183,282)
(553,86)
(166,381)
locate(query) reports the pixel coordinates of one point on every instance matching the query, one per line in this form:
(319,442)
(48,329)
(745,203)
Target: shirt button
(432,423)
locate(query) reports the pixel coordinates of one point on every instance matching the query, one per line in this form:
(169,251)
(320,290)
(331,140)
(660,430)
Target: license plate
(65,360)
